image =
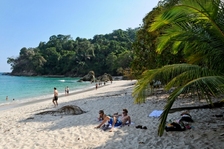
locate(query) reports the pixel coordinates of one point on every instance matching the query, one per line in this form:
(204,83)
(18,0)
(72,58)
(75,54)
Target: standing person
(55,99)
(6,98)
(67,90)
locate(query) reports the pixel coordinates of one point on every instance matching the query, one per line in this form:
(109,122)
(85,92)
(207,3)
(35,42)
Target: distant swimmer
(55,99)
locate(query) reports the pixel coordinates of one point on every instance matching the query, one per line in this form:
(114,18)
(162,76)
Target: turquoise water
(34,88)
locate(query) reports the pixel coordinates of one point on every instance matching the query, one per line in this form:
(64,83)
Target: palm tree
(196,28)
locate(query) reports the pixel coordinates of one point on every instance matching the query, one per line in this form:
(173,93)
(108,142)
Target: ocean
(23,89)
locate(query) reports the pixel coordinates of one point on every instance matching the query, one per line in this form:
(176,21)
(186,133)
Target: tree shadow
(88,120)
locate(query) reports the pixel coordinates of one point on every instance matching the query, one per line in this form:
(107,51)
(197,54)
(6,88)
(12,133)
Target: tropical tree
(124,59)
(144,47)
(30,61)
(111,62)
(196,29)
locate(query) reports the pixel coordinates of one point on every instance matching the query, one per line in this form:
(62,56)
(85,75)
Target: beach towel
(155,113)
(108,126)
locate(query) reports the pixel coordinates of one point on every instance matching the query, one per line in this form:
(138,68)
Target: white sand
(78,132)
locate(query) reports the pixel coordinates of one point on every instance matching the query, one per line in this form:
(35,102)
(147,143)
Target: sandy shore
(22,129)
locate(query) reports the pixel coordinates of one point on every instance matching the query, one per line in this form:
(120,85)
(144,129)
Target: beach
(21,128)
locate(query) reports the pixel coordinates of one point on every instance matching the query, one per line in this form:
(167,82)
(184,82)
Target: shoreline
(12,104)
(24,129)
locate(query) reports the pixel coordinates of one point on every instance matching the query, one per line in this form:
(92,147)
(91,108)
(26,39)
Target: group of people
(114,120)
(8,98)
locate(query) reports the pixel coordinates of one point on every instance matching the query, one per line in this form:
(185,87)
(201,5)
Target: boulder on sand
(89,77)
(105,77)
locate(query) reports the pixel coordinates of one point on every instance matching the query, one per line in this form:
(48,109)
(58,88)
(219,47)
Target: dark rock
(105,78)
(89,77)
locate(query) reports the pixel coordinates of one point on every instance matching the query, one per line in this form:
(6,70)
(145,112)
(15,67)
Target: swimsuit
(118,122)
(55,97)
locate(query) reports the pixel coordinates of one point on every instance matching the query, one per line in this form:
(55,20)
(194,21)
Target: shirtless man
(55,99)
(124,117)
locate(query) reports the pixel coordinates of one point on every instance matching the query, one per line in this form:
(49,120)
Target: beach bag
(174,126)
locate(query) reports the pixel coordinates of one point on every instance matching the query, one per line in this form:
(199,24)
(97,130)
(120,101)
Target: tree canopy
(144,48)
(62,55)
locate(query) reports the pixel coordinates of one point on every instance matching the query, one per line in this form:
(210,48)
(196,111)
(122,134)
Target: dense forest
(61,55)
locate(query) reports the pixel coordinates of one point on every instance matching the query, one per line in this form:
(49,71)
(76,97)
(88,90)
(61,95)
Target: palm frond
(186,78)
(164,74)
(142,85)
(196,28)
(209,85)
(195,11)
(188,75)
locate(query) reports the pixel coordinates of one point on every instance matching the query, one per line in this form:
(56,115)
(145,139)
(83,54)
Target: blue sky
(25,23)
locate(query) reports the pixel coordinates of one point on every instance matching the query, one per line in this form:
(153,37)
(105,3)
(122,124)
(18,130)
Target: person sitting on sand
(101,115)
(124,117)
(111,120)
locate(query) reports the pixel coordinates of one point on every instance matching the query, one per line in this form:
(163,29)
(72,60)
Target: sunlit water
(35,88)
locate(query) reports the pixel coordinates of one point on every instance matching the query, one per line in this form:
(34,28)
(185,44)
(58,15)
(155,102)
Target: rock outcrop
(24,73)
(105,78)
(89,77)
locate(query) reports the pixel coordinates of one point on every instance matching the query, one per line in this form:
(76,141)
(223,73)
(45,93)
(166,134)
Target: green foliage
(124,59)
(62,55)
(144,48)
(194,28)
(203,30)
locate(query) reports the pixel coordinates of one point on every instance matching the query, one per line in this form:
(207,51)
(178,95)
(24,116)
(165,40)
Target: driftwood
(65,110)
(215,105)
